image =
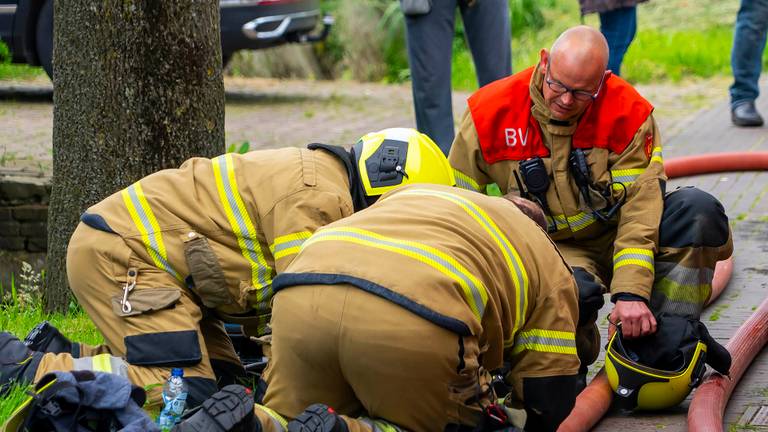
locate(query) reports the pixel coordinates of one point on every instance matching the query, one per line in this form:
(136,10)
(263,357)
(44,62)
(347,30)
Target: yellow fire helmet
(640,387)
(399,156)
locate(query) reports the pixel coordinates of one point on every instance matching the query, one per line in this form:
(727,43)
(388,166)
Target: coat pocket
(146,300)
(205,270)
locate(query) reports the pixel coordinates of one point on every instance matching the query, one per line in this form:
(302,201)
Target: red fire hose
(706,411)
(595,399)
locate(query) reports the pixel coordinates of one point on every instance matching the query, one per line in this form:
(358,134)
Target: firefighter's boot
(229,410)
(318,418)
(18,363)
(46,338)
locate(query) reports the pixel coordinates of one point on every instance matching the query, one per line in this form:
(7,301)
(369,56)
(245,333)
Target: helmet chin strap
(359,199)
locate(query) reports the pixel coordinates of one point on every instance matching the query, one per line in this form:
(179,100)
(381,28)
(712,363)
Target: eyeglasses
(580,95)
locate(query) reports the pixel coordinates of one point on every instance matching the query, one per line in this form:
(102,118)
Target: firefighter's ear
(543,61)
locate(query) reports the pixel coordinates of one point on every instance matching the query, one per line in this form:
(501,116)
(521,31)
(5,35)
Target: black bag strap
(44,405)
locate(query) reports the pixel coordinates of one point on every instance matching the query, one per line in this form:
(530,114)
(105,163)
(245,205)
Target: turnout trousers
(165,327)
(693,236)
(377,364)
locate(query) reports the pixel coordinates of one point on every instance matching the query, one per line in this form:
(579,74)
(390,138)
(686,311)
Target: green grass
(10,71)
(19,319)
(716,313)
(676,39)
(9,403)
(76,326)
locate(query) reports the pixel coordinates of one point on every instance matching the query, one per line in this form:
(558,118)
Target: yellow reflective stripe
(473,289)
(625,176)
(102,363)
(517,272)
(552,341)
(656,156)
(634,256)
(274,415)
(288,244)
(384,426)
(243,228)
(146,222)
(576,223)
(466,182)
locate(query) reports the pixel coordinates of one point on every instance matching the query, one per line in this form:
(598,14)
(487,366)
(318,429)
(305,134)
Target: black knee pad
(200,389)
(226,372)
(590,295)
(692,218)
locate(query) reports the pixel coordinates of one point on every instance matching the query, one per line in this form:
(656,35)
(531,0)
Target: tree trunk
(137,88)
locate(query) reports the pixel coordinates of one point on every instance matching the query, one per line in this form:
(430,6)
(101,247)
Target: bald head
(577,61)
(580,47)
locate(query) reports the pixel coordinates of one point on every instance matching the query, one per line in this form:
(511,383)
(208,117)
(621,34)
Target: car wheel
(44,37)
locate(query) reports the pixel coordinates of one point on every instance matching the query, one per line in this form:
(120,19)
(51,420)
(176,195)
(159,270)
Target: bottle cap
(177,372)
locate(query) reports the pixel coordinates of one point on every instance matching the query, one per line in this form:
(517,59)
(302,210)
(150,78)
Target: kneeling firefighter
(159,265)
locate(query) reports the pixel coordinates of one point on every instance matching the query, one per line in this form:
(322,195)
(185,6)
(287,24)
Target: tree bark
(137,88)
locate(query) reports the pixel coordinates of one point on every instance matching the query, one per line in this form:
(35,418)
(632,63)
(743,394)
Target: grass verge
(19,319)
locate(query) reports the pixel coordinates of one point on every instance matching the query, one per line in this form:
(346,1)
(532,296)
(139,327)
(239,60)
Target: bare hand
(635,318)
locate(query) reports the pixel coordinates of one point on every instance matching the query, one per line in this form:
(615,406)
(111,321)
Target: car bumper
(260,24)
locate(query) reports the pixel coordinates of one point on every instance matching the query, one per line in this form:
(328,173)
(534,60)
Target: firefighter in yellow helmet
(159,265)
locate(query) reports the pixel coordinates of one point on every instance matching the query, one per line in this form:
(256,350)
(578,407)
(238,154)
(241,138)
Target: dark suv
(26,26)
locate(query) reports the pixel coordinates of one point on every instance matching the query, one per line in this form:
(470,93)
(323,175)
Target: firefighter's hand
(635,317)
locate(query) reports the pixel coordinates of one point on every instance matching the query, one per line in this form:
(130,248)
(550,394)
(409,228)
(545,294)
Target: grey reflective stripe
(419,252)
(557,223)
(465,185)
(517,273)
(632,256)
(544,343)
(685,275)
(661,304)
(625,178)
(681,290)
(466,182)
(580,221)
(575,223)
(102,363)
(287,245)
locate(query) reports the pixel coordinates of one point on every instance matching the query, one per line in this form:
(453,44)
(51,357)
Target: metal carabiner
(129,285)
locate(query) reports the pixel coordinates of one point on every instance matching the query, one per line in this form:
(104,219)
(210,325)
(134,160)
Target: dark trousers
(693,236)
(430,43)
(619,27)
(747,54)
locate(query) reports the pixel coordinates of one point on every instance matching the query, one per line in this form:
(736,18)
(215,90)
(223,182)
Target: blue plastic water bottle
(174,399)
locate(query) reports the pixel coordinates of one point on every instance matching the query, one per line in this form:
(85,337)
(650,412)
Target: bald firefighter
(159,265)
(395,316)
(584,145)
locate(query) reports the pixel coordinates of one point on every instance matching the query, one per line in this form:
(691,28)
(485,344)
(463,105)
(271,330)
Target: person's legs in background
(486,24)
(746,61)
(430,40)
(619,27)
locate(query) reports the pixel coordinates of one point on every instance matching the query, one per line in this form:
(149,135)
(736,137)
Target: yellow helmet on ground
(399,156)
(639,386)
